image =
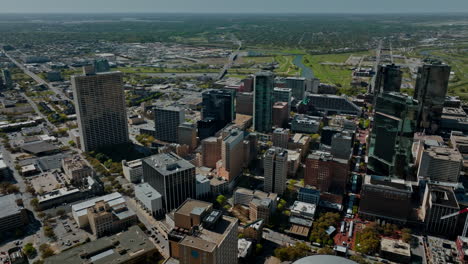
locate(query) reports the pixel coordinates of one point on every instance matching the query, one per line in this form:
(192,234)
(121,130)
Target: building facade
(430,91)
(392,133)
(132,170)
(280,138)
(171,176)
(326,173)
(263,102)
(440,201)
(441,164)
(167,121)
(100,108)
(187,133)
(276,170)
(297,85)
(388,79)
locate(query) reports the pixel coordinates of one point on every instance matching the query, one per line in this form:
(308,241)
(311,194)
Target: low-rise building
(105,214)
(149,198)
(254,230)
(244,248)
(280,137)
(395,250)
(68,194)
(300,142)
(131,246)
(305,124)
(132,170)
(309,195)
(303,210)
(243,196)
(260,209)
(76,169)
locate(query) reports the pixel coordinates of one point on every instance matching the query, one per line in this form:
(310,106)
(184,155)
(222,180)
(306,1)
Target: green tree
(292,253)
(368,240)
(258,248)
(326,251)
(221,200)
(406,235)
(34,203)
(49,231)
(358,259)
(315,137)
(320,226)
(46,250)
(29,250)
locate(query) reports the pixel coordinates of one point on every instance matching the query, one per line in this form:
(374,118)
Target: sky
(233,6)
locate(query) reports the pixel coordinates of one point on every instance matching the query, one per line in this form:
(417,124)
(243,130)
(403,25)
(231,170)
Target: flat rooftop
(395,246)
(207,239)
(149,191)
(308,208)
(443,195)
(168,163)
(190,205)
(8,205)
(386,182)
(444,153)
(134,163)
(113,199)
(119,248)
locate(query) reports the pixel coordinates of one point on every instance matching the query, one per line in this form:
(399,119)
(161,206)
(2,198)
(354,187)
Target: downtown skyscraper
(276,170)
(100,107)
(391,138)
(388,79)
(218,111)
(430,91)
(263,102)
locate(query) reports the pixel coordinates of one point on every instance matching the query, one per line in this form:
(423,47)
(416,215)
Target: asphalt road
(35,77)
(151,224)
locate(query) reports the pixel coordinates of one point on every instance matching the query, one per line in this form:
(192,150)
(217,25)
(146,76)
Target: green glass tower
(392,135)
(263,101)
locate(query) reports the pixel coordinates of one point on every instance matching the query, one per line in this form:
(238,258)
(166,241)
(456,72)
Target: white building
(440,164)
(80,211)
(132,170)
(304,210)
(203,187)
(149,198)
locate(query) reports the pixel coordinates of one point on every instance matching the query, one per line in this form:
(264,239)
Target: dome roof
(320,259)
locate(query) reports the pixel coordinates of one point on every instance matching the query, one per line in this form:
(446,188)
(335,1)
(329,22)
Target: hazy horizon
(233,7)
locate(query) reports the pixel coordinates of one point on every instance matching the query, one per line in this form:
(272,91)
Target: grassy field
(256,59)
(286,66)
(339,75)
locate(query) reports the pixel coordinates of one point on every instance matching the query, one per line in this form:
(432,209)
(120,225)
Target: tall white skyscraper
(100,108)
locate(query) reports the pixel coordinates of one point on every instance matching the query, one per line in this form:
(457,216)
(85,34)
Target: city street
(151,224)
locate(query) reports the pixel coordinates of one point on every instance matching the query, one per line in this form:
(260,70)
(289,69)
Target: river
(305,71)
